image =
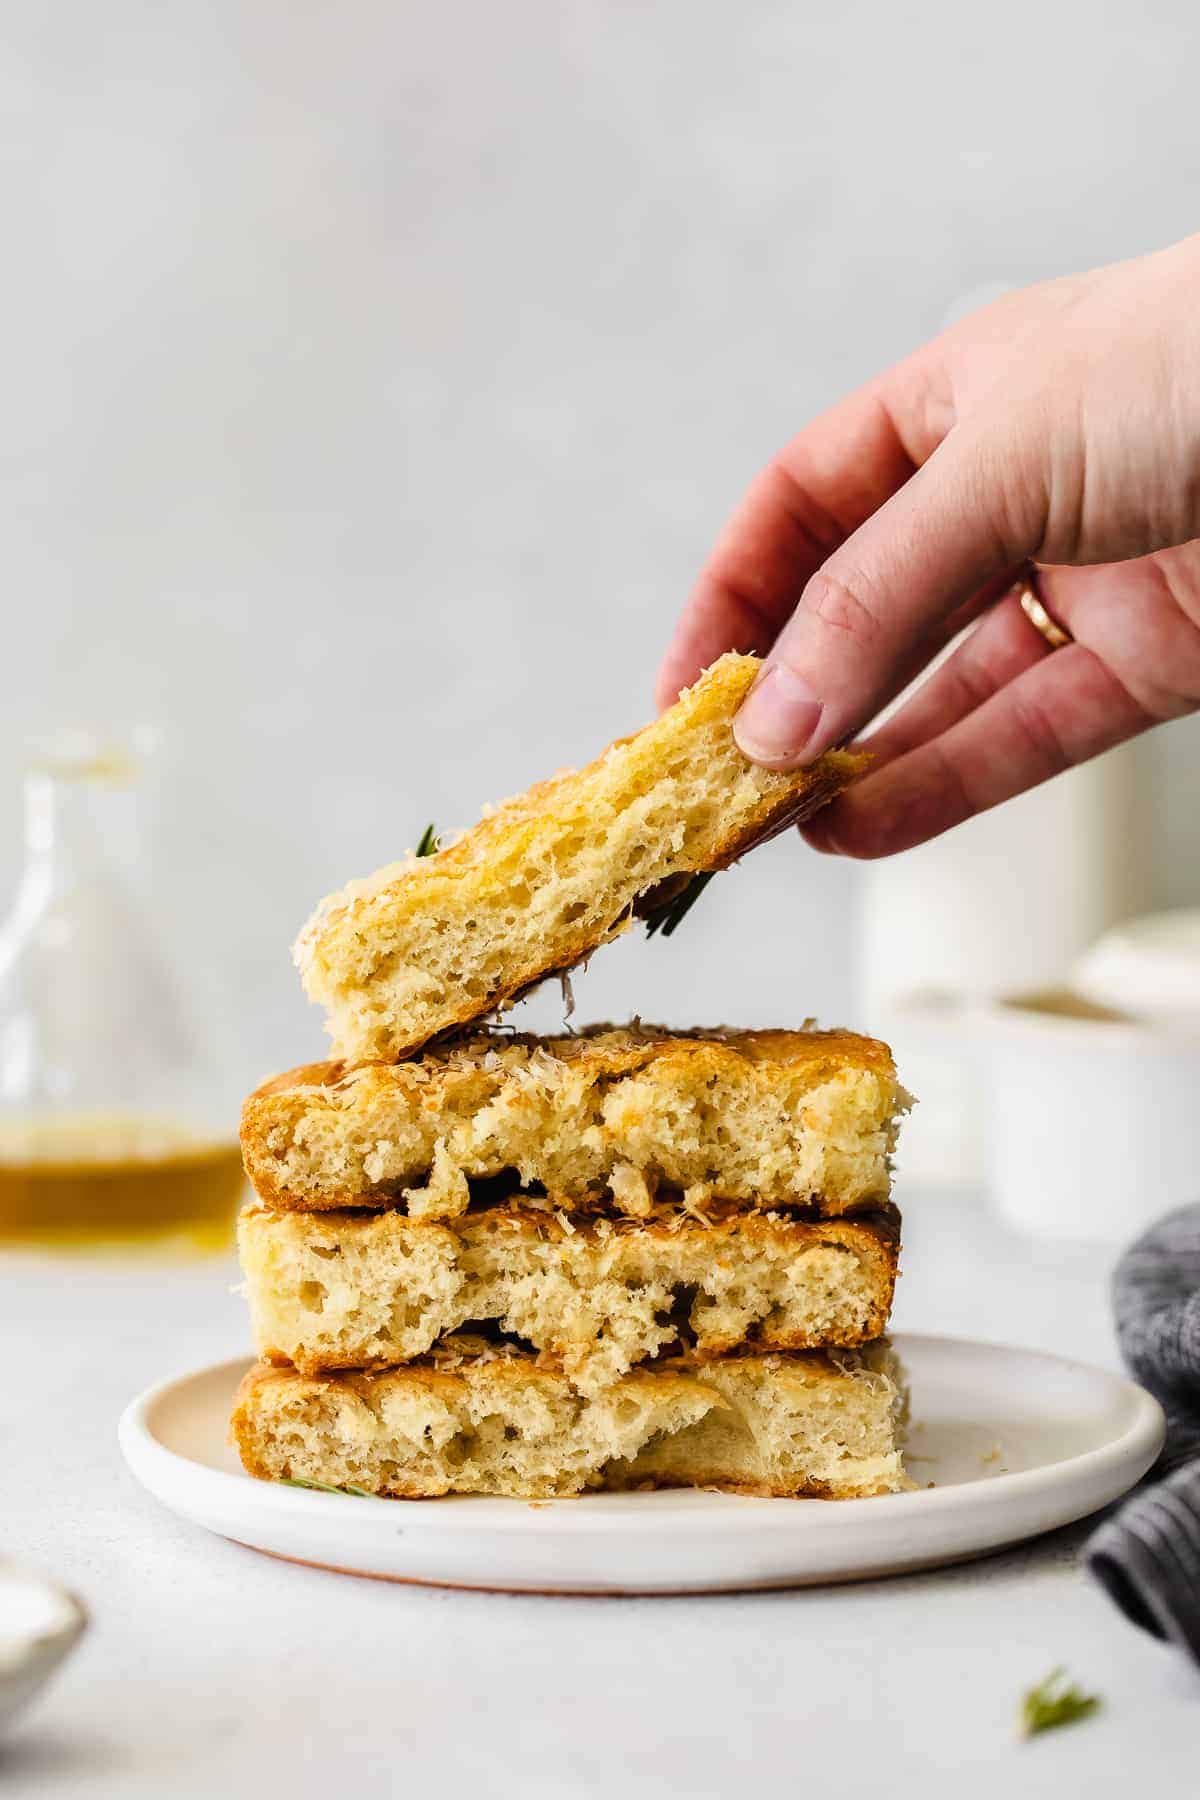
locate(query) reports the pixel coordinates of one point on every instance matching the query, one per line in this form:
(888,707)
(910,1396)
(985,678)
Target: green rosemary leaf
(430,842)
(668,917)
(1054,1702)
(323,1487)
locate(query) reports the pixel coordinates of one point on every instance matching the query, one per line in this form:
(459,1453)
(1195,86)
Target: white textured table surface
(210,1671)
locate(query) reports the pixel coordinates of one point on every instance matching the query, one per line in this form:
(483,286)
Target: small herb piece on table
(1054,1702)
(668,917)
(430,843)
(323,1487)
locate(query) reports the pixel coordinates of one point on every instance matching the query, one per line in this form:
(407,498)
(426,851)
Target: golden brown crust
(351,945)
(666,1222)
(607,1050)
(466,1357)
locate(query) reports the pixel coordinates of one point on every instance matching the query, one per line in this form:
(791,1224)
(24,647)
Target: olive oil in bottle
(106,1180)
(113,1126)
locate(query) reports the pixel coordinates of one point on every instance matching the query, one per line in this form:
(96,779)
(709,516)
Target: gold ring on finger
(1034,608)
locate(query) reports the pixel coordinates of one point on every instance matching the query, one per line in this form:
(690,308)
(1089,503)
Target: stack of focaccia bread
(488,1263)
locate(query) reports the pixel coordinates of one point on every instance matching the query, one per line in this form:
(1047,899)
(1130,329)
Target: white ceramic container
(1148,967)
(40,1623)
(1091,1123)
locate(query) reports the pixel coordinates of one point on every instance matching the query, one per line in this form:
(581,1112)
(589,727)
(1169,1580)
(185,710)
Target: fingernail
(778,717)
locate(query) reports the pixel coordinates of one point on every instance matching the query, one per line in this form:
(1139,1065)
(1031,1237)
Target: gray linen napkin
(1148,1556)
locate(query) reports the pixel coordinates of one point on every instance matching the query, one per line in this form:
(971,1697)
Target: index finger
(808,500)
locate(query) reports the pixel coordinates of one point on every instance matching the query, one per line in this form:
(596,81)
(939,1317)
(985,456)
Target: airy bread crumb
(541,881)
(351,1290)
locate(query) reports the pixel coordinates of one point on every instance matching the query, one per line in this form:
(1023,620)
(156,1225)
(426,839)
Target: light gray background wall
(374,377)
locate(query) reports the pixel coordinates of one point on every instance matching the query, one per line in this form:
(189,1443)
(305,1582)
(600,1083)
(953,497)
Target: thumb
(974,511)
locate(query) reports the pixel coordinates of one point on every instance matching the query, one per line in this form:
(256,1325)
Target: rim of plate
(1142,1437)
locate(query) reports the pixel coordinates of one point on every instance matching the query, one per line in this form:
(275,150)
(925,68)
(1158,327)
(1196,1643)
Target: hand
(1061,424)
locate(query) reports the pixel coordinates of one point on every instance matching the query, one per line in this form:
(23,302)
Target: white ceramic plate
(1006,1444)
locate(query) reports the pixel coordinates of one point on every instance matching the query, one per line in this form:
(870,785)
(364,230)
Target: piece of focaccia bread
(542,880)
(464,1422)
(777,1117)
(352,1290)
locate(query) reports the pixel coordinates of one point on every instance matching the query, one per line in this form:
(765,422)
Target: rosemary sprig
(1054,1702)
(430,842)
(323,1487)
(672,915)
